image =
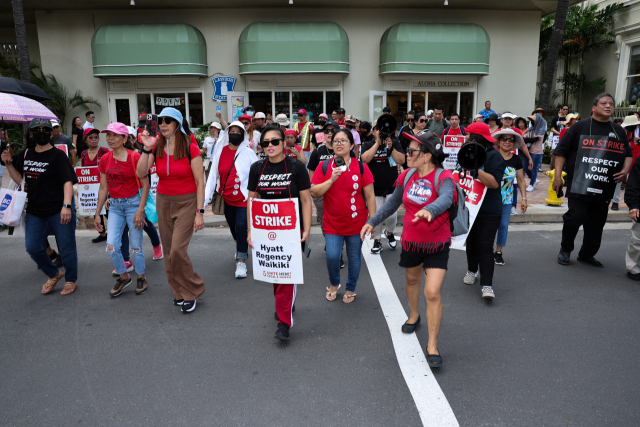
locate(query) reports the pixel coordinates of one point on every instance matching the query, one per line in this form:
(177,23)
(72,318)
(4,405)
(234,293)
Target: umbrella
(18,87)
(18,109)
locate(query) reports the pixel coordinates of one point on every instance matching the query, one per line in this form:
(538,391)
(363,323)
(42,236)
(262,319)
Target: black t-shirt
(555,120)
(45,174)
(495,165)
(80,144)
(384,175)
(278,179)
(320,154)
(568,145)
(514,162)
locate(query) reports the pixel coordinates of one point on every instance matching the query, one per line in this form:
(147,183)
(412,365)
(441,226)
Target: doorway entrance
(121,109)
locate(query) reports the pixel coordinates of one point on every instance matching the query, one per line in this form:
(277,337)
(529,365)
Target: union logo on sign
(272,236)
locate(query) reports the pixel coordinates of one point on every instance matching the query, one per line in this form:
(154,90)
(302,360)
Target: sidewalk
(538,211)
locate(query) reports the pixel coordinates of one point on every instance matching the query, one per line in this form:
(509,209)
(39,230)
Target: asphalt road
(558,347)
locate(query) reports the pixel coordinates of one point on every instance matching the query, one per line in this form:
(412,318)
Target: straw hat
(519,140)
(631,120)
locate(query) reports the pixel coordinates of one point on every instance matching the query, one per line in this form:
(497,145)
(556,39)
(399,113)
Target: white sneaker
(241,270)
(536,183)
(514,211)
(470,278)
(487,292)
(530,188)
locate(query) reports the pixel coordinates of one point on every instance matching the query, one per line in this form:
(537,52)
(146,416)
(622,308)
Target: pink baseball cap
(119,128)
(323,115)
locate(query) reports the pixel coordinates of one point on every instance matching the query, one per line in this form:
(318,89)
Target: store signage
(170,102)
(442,83)
(221,86)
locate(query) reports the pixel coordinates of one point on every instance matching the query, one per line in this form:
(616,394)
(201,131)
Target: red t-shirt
(290,152)
(121,176)
(345,212)
(180,178)
(86,161)
(342,124)
(452,132)
(232,194)
(299,127)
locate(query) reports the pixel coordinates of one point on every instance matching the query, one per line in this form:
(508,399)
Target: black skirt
(414,258)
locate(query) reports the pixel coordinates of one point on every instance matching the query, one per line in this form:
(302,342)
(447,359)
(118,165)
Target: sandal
(69,288)
(48,287)
(345,297)
(331,296)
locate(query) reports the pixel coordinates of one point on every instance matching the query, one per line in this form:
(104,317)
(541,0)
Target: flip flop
(331,296)
(345,296)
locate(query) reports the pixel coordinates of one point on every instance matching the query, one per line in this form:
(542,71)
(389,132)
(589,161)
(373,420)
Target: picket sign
(88,187)
(475,191)
(63,147)
(597,161)
(154,181)
(275,234)
(451,145)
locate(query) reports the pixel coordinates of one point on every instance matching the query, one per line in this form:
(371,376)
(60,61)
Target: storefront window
(310,101)
(466,108)
(397,101)
(333,102)
(196,116)
(175,100)
(261,101)
(144,104)
(417,101)
(448,101)
(282,103)
(633,76)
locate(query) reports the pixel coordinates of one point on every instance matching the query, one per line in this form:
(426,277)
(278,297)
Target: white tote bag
(13,204)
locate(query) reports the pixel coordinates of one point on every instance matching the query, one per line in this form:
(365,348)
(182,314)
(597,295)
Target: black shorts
(410,259)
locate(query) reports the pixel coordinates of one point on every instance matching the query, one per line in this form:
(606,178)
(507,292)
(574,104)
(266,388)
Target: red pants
(285,299)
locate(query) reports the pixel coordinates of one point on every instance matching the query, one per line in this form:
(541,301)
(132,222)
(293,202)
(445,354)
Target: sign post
(88,187)
(275,234)
(475,191)
(451,145)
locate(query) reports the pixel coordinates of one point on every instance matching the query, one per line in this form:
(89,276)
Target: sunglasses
(411,120)
(164,120)
(275,142)
(412,151)
(246,123)
(510,140)
(93,117)
(422,121)
(328,131)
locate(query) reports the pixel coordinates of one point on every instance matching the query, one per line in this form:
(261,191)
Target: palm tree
(555,43)
(21,38)
(62,102)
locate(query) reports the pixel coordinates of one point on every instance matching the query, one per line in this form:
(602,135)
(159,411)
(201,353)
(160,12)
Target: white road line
(431,402)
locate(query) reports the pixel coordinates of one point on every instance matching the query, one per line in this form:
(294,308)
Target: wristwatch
(200,211)
(65,205)
(146,152)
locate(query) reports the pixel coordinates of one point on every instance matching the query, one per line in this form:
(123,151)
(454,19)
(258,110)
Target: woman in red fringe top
(426,232)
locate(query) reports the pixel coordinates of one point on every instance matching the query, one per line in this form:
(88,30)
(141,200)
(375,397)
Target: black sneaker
(120,285)
(282,333)
(188,306)
(614,207)
(141,286)
(341,262)
(391,240)
(178,301)
(564,257)
(100,238)
(377,247)
(325,249)
(497,257)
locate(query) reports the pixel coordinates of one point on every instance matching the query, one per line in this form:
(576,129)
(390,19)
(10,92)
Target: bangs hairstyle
(346,132)
(271,129)
(516,123)
(180,148)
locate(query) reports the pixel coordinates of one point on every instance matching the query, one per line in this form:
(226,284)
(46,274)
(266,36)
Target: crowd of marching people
(356,174)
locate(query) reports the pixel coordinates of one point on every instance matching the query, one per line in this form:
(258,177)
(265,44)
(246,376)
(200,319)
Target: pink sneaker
(128,265)
(157,252)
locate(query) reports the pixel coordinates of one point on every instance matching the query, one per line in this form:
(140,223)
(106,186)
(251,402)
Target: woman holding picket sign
(344,182)
(118,177)
(427,192)
(293,182)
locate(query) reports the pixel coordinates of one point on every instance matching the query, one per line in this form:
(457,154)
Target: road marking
(431,402)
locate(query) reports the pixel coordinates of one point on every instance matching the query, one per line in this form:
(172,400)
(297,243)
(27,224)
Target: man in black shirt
(589,199)
(383,158)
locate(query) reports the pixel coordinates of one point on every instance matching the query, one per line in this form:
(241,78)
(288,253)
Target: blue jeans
(36,231)
(503,228)
(533,173)
(148,228)
(515,196)
(237,219)
(334,252)
(121,213)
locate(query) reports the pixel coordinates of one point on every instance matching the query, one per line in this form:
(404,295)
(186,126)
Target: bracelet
(145,151)
(524,198)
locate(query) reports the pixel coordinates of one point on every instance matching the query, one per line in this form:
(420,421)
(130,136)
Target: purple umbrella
(18,109)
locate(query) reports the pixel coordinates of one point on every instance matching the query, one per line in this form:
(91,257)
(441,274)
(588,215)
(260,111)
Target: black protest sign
(597,160)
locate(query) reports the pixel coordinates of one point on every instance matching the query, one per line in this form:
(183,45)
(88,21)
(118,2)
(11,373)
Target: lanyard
(614,129)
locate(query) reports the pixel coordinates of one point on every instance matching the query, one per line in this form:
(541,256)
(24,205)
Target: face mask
(349,126)
(322,122)
(235,139)
(41,138)
(250,113)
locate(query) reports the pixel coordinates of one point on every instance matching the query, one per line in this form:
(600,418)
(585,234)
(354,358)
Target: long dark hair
(73,122)
(182,144)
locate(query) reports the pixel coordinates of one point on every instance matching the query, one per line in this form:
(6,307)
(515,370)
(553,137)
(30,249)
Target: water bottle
(218,106)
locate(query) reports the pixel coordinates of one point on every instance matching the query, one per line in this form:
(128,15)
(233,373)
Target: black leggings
(480,247)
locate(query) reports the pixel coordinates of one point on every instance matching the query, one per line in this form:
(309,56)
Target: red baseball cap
(244,117)
(481,129)
(87,131)
(302,112)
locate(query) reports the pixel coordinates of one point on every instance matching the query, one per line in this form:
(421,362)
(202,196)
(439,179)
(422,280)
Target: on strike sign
(275,234)
(451,145)
(88,186)
(597,160)
(475,191)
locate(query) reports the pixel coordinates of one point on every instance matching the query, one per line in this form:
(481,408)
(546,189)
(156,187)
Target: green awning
(294,47)
(435,49)
(148,50)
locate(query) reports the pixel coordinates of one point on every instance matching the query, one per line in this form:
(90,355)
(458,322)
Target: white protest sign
(88,187)
(451,145)
(475,191)
(154,181)
(275,234)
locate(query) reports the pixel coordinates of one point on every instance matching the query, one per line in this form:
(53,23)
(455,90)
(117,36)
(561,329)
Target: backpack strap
(408,176)
(325,166)
(463,131)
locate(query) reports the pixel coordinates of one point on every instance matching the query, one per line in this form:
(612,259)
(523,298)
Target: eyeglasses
(246,123)
(422,121)
(93,137)
(412,151)
(565,109)
(510,140)
(328,131)
(165,120)
(341,142)
(275,142)
(40,130)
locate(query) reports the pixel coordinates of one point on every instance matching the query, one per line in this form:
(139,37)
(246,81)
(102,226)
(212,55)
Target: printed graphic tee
(121,176)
